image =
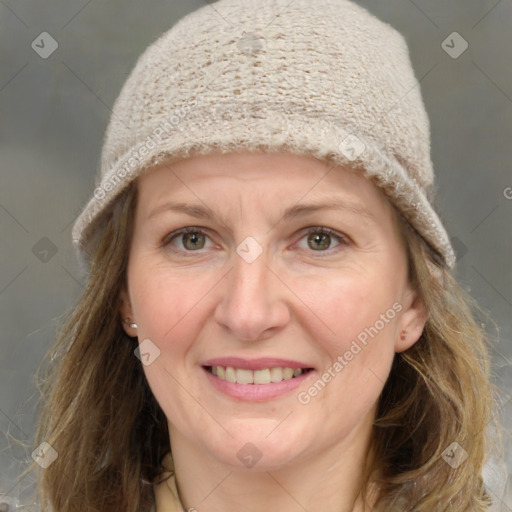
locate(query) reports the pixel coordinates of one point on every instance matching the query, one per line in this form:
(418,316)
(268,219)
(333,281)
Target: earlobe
(126,313)
(411,323)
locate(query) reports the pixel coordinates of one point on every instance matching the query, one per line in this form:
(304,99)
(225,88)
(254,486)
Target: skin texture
(294,301)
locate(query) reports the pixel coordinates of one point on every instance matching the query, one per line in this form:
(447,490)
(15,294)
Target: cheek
(358,321)
(170,312)
(352,307)
(168,307)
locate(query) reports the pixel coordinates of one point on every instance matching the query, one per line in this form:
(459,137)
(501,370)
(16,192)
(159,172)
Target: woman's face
(288,267)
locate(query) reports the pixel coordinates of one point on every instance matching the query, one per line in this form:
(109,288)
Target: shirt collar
(166,493)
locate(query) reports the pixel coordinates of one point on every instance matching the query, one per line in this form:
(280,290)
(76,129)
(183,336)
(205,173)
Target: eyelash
(343,240)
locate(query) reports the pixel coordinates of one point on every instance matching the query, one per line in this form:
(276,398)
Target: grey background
(54,111)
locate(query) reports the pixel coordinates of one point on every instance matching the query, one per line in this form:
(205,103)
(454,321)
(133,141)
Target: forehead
(269,179)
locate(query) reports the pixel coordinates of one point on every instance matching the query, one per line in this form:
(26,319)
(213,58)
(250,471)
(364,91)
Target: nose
(253,305)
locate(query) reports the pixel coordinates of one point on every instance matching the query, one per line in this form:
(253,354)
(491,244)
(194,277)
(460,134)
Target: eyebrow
(335,204)
(298,210)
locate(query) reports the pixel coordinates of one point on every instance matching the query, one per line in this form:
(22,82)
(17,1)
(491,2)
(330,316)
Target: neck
(329,481)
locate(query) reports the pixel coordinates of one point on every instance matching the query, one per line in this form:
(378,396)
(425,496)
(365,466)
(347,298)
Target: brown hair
(111,435)
(438,393)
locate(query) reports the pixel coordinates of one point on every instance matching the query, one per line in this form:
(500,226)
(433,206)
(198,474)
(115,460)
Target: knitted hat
(322,78)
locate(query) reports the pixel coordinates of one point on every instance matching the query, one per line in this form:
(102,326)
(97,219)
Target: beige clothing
(166,493)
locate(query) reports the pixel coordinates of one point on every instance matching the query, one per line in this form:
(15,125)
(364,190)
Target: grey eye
(194,240)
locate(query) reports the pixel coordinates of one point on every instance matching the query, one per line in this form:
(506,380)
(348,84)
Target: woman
(270,321)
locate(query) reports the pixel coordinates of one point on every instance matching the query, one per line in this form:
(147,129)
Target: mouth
(262,376)
(259,379)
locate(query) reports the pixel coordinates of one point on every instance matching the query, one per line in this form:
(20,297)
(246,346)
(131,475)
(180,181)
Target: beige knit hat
(322,78)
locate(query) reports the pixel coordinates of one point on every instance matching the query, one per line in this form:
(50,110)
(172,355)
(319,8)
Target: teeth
(244,376)
(262,376)
(276,374)
(265,376)
(287,373)
(230,374)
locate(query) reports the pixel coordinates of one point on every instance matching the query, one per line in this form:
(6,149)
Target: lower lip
(256,392)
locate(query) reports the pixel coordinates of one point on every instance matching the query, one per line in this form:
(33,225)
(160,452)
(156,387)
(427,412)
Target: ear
(125,312)
(411,322)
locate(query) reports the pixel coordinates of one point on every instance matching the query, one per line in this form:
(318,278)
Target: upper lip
(255,364)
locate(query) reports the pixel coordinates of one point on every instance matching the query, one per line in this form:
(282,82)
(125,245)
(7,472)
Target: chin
(259,449)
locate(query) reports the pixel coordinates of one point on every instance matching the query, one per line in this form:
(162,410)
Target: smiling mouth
(263,376)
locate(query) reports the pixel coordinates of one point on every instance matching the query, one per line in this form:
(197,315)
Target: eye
(318,239)
(321,239)
(191,239)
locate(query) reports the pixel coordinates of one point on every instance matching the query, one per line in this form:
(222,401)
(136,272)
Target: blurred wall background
(54,108)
